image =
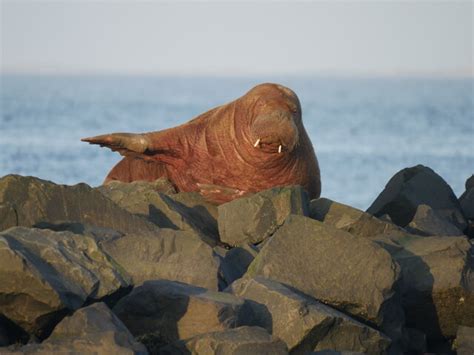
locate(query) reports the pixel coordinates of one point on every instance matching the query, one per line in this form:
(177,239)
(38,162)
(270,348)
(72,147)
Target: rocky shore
(138,268)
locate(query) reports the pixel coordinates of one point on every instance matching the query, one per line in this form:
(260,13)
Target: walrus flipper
(127,144)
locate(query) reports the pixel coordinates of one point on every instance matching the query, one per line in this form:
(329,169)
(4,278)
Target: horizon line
(449,74)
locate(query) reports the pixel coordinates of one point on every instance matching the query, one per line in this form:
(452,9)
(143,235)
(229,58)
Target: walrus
(251,144)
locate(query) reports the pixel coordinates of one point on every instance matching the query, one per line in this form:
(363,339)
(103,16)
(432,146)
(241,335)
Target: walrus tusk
(256,143)
(279,149)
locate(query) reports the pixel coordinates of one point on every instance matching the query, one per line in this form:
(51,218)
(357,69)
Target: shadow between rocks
(153,320)
(256,314)
(12,333)
(418,303)
(159,218)
(73,227)
(110,300)
(166,313)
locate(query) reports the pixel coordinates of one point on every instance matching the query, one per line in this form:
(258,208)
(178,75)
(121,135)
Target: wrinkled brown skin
(214,153)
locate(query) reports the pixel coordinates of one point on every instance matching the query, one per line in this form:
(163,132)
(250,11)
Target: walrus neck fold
(170,144)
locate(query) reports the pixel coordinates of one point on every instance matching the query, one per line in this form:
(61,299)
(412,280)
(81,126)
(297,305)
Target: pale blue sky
(347,38)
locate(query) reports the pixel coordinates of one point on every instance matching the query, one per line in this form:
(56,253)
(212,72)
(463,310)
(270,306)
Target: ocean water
(363,130)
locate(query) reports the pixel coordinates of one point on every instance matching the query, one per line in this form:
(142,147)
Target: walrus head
(276,120)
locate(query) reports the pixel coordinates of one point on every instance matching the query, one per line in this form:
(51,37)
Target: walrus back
(132,169)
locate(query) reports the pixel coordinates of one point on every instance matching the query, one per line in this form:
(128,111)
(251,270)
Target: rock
(348,218)
(198,204)
(142,198)
(364,225)
(90,330)
(254,218)
(464,344)
(99,327)
(176,310)
(47,274)
(437,282)
(334,352)
(427,221)
(43,204)
(305,324)
(8,216)
(444,266)
(349,273)
(166,254)
(236,262)
(134,196)
(221,251)
(241,340)
(385,218)
(467,205)
(412,187)
(100,234)
(118,190)
(469,184)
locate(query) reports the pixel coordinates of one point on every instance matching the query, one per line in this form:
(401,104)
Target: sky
(433,38)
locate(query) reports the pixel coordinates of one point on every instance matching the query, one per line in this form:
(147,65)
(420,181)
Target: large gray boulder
(90,330)
(179,311)
(429,222)
(47,274)
(415,186)
(238,341)
(425,222)
(135,196)
(350,273)
(198,205)
(437,282)
(166,254)
(464,344)
(43,204)
(254,218)
(146,200)
(117,190)
(303,323)
(349,219)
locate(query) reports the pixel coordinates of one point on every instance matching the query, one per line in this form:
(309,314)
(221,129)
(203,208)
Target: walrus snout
(276,130)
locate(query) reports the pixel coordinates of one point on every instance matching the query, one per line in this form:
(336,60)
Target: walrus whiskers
(256,143)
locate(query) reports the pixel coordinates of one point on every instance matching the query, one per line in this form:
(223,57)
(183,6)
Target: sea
(364,130)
